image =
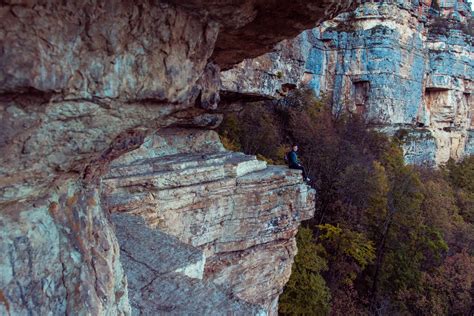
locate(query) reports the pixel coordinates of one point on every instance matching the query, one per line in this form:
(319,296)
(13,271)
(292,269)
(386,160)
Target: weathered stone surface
(83,83)
(60,256)
(117,49)
(271,75)
(420,147)
(85,76)
(470,142)
(143,249)
(176,294)
(448,90)
(241,213)
(165,275)
(400,64)
(248,267)
(70,78)
(251,28)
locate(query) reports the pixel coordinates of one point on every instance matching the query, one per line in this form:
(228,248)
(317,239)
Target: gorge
(117,196)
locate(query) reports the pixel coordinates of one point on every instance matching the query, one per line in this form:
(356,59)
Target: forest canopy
(387,238)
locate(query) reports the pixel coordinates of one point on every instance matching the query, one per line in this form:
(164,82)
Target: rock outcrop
(60,256)
(242,214)
(82,83)
(251,28)
(404,65)
(78,90)
(165,275)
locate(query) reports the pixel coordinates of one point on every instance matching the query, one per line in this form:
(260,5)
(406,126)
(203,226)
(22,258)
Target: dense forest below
(387,238)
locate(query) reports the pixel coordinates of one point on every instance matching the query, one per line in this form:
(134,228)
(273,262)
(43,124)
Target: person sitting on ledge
(294,163)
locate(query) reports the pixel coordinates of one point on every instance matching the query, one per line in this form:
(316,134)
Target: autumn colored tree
(461,176)
(447,290)
(387,238)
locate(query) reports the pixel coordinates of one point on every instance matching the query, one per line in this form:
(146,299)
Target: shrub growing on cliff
(306,292)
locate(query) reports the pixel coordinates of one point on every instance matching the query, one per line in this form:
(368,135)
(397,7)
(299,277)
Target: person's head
(295,147)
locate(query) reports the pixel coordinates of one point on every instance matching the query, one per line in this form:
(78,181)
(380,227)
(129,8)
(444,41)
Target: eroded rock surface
(84,82)
(241,213)
(60,256)
(81,84)
(165,275)
(252,27)
(402,65)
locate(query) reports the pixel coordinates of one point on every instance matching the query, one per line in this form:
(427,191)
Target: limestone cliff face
(242,214)
(403,65)
(83,83)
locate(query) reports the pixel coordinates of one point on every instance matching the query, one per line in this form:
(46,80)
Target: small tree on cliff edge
(306,291)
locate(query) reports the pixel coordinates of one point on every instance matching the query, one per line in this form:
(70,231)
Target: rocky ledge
(83,84)
(238,214)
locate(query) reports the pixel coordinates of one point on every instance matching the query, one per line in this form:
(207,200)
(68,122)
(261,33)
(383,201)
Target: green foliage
(230,131)
(386,231)
(281,151)
(229,144)
(352,244)
(444,291)
(306,292)
(268,160)
(465,201)
(461,176)
(377,198)
(231,128)
(254,130)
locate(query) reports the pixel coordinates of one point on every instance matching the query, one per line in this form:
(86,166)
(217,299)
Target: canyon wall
(406,66)
(87,84)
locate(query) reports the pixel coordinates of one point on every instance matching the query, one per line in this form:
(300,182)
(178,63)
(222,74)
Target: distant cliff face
(405,65)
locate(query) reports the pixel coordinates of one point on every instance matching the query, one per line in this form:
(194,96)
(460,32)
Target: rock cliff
(86,84)
(241,214)
(404,65)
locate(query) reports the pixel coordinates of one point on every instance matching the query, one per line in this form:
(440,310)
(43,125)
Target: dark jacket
(293,159)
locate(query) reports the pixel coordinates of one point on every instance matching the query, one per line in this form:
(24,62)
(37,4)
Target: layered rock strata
(242,214)
(165,275)
(403,65)
(81,84)
(60,256)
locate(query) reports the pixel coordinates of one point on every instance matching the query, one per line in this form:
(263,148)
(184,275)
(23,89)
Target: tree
(390,238)
(447,290)
(346,245)
(461,176)
(306,292)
